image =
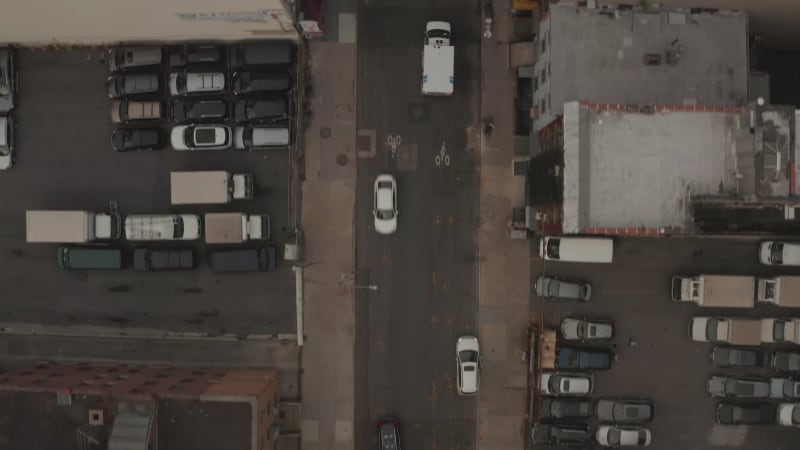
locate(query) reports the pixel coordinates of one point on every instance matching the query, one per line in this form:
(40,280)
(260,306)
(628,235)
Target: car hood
(605,410)
(569,328)
(716,386)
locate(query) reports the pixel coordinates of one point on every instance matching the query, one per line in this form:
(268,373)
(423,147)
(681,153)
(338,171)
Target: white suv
(201,137)
(188,83)
(562,383)
(468,365)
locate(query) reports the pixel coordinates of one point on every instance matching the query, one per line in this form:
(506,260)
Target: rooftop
(628,168)
(660,57)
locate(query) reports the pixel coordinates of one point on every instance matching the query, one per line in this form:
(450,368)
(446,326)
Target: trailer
(236,228)
(715,291)
(209,187)
(70,226)
(727,330)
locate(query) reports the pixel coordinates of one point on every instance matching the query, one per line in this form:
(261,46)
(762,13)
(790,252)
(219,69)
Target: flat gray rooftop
(640,170)
(599,55)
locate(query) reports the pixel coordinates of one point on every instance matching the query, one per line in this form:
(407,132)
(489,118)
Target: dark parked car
(622,410)
(725,357)
(145,259)
(132,84)
(196,54)
(787,362)
(573,358)
(9,79)
(199,110)
(565,408)
(261,53)
(560,289)
(133,139)
(260,82)
(389,433)
(733,386)
(746,414)
(560,434)
(261,110)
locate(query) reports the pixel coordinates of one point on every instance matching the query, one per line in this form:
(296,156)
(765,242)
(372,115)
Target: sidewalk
(328,201)
(504,274)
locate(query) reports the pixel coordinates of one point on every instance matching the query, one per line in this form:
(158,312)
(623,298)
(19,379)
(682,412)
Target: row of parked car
(201,137)
(256,73)
(166,258)
(9,88)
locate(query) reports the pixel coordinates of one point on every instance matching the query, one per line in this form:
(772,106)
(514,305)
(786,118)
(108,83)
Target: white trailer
(165,227)
(783,290)
(438,60)
(70,226)
(210,186)
(715,291)
(236,228)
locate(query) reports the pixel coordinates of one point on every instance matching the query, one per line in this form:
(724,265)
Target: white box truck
(783,290)
(236,228)
(725,330)
(166,227)
(438,59)
(715,291)
(70,226)
(779,331)
(210,186)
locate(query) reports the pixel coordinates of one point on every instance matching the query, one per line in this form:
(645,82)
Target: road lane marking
(435,282)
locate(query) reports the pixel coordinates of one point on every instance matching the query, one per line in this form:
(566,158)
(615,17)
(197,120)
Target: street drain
(325,132)
(342,159)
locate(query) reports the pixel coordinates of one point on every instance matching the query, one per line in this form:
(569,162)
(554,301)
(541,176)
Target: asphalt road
(426,272)
(666,365)
(65,161)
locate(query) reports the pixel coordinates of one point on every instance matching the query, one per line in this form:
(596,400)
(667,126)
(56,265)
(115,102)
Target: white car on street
(385,204)
(468,364)
(614,436)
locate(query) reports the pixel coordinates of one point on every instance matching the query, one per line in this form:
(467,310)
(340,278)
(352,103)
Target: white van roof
(577,249)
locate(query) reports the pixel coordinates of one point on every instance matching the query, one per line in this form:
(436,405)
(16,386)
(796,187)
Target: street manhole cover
(342,159)
(417,112)
(325,132)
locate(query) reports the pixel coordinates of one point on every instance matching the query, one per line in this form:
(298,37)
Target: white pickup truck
(438,59)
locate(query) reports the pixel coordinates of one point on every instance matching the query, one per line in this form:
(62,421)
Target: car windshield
(552,248)
(125,56)
(711,330)
(552,383)
(553,288)
(614,436)
(468,356)
(180,82)
(776,253)
(796,415)
(439,34)
(778,329)
(178,222)
(583,327)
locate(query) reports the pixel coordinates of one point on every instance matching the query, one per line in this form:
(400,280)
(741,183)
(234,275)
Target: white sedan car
(385,204)
(614,436)
(468,361)
(201,137)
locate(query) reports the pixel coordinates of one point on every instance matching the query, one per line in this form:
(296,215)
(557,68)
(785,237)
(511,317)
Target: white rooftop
(599,55)
(640,169)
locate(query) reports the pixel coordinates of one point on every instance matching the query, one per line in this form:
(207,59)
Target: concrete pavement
(504,270)
(328,198)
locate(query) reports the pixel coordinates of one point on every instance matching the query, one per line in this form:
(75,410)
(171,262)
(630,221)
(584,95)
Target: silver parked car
(585,329)
(784,388)
(614,436)
(552,288)
(786,362)
(625,410)
(124,58)
(722,386)
(566,383)
(723,357)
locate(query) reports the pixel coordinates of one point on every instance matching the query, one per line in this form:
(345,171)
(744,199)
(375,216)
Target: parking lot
(664,364)
(64,160)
